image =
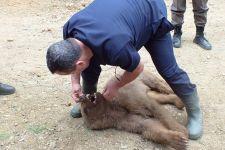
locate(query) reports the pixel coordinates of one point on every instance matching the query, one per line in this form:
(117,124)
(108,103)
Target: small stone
(84,5)
(69,6)
(46,30)
(52,144)
(17,134)
(10,40)
(124,146)
(22,139)
(69,104)
(25,120)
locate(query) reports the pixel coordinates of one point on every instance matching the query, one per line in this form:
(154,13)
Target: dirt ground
(37,115)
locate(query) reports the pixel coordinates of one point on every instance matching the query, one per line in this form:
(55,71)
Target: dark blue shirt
(116,29)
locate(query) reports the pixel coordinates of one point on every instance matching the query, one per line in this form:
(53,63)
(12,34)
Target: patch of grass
(37,129)
(4,135)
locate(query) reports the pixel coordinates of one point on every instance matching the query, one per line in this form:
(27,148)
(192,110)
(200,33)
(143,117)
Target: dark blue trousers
(161,51)
(90,77)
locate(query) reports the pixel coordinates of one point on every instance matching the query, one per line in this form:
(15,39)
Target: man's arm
(76,88)
(127,77)
(113,86)
(75,78)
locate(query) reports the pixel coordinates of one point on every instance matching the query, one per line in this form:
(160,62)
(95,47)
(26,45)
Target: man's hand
(76,92)
(111,89)
(76,88)
(113,85)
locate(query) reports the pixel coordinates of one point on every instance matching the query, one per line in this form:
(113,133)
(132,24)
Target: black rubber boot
(6,89)
(86,89)
(201,40)
(177,36)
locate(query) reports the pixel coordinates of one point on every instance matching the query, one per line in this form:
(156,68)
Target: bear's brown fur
(137,108)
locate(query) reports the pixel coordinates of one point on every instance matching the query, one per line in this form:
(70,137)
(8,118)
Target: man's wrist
(75,79)
(118,82)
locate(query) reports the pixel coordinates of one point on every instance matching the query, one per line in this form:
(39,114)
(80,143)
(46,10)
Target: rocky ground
(37,115)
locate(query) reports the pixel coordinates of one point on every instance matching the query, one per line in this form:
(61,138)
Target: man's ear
(80,64)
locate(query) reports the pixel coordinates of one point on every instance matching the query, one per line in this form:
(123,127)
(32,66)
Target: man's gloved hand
(76,92)
(111,89)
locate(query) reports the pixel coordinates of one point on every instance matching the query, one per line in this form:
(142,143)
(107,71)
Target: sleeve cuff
(134,63)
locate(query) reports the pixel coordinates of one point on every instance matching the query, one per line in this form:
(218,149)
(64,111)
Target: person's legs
(200,9)
(178,8)
(89,85)
(161,51)
(6,89)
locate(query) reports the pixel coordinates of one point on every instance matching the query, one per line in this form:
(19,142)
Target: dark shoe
(75,112)
(201,40)
(6,89)
(177,36)
(195,123)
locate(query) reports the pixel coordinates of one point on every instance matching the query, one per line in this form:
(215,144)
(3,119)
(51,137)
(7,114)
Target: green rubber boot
(75,111)
(87,89)
(195,123)
(6,89)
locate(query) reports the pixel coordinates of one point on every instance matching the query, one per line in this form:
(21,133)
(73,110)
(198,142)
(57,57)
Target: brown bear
(138,109)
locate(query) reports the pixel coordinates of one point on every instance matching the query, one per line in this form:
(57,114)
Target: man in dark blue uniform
(111,32)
